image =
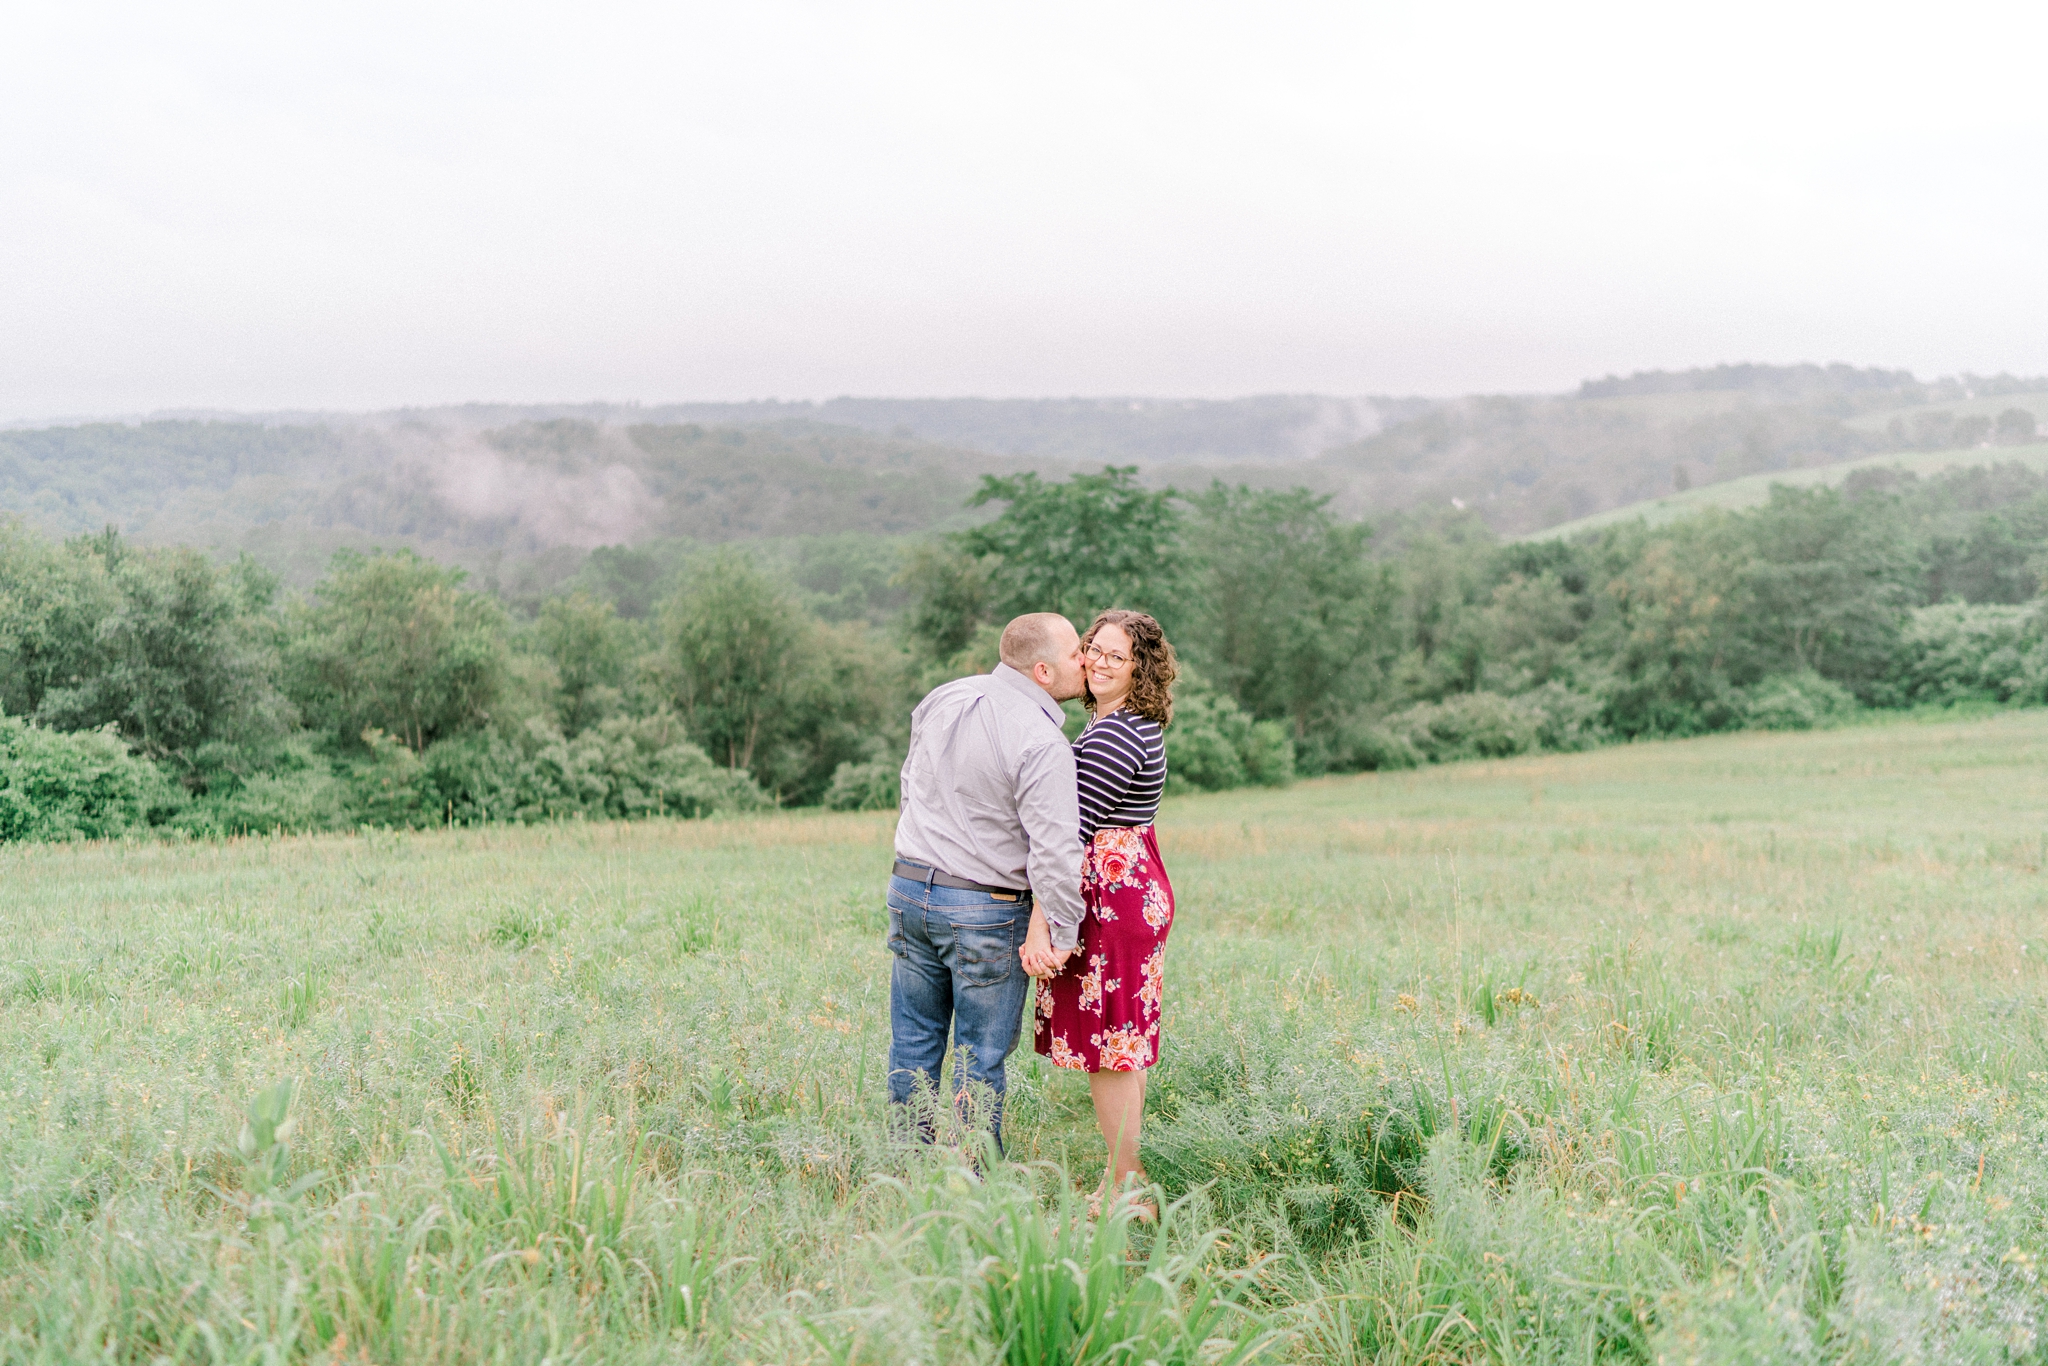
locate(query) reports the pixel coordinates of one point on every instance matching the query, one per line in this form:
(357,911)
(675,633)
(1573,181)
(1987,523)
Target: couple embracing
(1019,857)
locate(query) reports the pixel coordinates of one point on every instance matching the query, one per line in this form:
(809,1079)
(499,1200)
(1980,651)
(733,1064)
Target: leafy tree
(1077,546)
(1282,607)
(1443,581)
(1676,605)
(950,591)
(52,601)
(172,651)
(849,700)
(850,577)
(395,643)
(185,668)
(59,787)
(589,647)
(1825,585)
(736,646)
(628,577)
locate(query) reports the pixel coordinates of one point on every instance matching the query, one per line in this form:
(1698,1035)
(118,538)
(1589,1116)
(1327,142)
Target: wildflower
(1405,1002)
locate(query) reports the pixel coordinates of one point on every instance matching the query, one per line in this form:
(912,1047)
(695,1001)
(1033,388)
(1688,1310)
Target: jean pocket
(988,953)
(897,944)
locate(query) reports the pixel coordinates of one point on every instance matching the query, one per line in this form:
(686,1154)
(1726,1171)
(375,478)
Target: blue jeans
(956,968)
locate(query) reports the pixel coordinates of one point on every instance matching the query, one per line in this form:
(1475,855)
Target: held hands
(1041,959)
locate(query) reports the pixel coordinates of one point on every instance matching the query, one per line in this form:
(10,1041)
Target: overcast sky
(357,206)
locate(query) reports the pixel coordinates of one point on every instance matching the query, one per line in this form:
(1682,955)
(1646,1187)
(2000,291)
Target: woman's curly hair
(1153,667)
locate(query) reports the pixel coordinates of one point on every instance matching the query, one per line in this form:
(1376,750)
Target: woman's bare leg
(1120,1111)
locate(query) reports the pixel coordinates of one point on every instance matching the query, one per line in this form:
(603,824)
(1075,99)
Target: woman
(1100,1013)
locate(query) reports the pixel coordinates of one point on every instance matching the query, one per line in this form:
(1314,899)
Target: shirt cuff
(1064,937)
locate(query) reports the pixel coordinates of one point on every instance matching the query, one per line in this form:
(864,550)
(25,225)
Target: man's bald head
(1035,638)
(1044,647)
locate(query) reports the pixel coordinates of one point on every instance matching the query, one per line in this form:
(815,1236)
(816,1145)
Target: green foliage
(952,596)
(1798,701)
(299,791)
(185,666)
(735,643)
(1213,744)
(52,600)
(1825,586)
(870,785)
(622,769)
(264,1145)
(393,643)
(395,696)
(1957,652)
(589,648)
(2015,426)
(1059,1287)
(628,577)
(1076,546)
(767,688)
(850,577)
(86,785)
(1281,605)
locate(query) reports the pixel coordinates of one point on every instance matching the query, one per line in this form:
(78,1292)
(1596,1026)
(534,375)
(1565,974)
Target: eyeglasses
(1097,655)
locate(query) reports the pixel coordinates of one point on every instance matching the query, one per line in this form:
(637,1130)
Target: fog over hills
(496,485)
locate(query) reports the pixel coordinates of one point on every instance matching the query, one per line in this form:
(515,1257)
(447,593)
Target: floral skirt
(1101,1013)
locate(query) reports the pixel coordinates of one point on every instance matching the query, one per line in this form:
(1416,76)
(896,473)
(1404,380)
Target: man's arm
(1050,811)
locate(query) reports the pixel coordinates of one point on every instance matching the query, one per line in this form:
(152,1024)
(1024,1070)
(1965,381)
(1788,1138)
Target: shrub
(1213,744)
(299,793)
(870,786)
(621,769)
(1473,725)
(1961,652)
(297,800)
(395,643)
(84,785)
(1566,719)
(1798,701)
(1364,745)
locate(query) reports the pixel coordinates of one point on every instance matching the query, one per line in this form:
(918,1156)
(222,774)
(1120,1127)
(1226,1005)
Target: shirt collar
(1023,683)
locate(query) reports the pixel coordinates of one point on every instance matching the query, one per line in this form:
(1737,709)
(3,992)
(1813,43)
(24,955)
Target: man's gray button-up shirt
(989,793)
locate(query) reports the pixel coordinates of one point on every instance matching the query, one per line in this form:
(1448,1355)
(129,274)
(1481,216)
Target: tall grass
(1723,1050)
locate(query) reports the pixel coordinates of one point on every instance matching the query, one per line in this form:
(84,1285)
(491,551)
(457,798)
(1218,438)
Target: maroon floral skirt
(1101,1013)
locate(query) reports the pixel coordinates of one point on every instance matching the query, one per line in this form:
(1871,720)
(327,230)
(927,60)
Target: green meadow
(1754,490)
(1727,1049)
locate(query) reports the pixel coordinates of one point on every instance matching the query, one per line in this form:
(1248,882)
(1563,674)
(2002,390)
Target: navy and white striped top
(1120,761)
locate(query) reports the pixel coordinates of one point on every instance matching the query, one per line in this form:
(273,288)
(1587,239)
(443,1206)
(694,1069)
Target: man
(989,819)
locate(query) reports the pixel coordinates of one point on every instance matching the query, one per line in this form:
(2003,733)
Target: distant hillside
(1273,428)
(1528,463)
(1794,382)
(1144,431)
(517,491)
(1755,490)
(293,495)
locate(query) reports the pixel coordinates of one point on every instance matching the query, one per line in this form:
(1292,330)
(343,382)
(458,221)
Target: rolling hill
(1754,490)
(497,486)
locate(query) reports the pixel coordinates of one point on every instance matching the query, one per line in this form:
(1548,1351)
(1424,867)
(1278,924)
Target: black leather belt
(932,877)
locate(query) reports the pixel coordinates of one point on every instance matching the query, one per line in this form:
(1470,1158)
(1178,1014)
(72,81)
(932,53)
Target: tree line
(159,688)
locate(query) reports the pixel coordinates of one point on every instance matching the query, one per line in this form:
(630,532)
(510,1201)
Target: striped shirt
(1120,762)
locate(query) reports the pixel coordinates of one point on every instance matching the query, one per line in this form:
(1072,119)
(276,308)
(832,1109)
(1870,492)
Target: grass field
(1754,490)
(1727,1049)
